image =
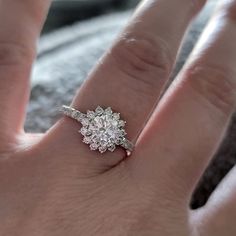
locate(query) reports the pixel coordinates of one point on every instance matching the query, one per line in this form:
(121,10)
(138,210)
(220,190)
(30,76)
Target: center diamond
(102,129)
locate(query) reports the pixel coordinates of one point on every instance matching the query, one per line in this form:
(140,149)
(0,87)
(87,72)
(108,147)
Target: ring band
(102,129)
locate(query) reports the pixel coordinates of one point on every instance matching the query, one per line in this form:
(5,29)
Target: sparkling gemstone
(112,148)
(99,110)
(75,114)
(91,114)
(108,111)
(102,149)
(85,132)
(122,132)
(87,140)
(85,122)
(118,142)
(116,116)
(94,146)
(115,122)
(103,129)
(121,123)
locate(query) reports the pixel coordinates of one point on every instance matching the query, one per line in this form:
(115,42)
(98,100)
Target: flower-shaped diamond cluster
(102,129)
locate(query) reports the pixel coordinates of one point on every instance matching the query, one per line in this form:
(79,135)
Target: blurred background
(66,12)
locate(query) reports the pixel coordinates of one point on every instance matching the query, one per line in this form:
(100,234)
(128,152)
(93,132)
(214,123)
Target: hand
(52,184)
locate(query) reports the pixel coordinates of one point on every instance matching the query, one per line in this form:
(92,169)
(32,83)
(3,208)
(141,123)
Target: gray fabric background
(66,56)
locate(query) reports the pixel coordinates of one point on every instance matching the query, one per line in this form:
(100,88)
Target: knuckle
(13,54)
(214,84)
(142,57)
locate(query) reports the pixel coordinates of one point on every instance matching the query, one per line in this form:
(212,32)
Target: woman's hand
(52,184)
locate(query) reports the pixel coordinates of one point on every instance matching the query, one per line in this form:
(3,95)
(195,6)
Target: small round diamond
(116,116)
(91,114)
(118,142)
(99,110)
(85,132)
(102,149)
(87,140)
(108,111)
(112,148)
(121,123)
(94,146)
(85,121)
(75,114)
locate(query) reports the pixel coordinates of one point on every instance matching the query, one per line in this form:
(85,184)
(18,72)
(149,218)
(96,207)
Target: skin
(51,184)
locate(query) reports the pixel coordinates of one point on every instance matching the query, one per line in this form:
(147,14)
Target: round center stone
(105,128)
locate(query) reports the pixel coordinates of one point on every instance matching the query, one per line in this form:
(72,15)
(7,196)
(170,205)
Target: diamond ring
(102,129)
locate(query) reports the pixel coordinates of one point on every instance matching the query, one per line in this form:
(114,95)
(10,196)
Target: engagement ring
(102,129)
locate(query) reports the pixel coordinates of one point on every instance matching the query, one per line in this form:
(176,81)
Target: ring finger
(131,76)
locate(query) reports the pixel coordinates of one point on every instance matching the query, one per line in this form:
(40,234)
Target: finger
(130,77)
(20,25)
(192,117)
(218,216)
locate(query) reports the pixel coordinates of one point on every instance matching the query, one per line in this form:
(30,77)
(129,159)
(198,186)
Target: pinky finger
(218,216)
